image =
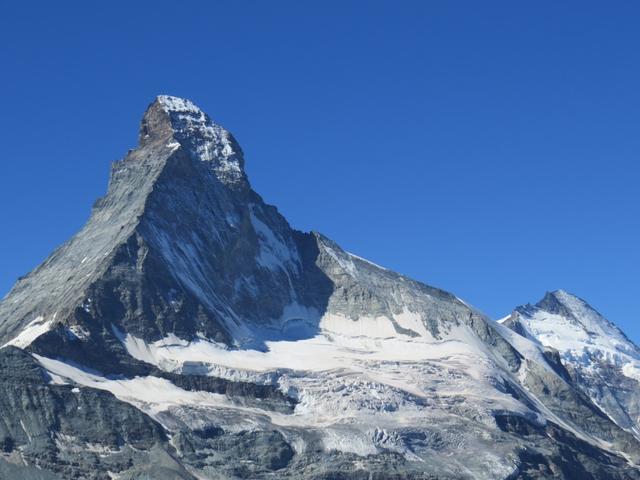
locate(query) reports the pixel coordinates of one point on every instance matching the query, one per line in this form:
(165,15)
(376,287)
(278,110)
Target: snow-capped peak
(569,324)
(605,362)
(178,104)
(204,139)
(582,316)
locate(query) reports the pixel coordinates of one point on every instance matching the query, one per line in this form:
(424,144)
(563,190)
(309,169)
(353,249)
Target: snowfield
(344,385)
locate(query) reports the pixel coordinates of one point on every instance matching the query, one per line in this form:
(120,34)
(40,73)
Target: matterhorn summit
(191,128)
(187,331)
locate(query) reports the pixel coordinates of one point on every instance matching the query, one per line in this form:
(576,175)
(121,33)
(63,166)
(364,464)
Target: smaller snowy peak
(561,302)
(179,119)
(580,313)
(570,325)
(564,303)
(604,362)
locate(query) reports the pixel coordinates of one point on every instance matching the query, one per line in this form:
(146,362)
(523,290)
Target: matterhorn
(187,331)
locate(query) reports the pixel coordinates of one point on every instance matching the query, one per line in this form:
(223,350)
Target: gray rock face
(67,431)
(187,331)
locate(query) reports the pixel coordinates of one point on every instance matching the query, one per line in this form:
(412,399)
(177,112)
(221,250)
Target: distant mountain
(187,331)
(599,357)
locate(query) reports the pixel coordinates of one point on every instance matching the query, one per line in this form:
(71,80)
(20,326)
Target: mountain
(599,357)
(187,331)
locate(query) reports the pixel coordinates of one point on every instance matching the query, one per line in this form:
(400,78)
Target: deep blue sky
(488,148)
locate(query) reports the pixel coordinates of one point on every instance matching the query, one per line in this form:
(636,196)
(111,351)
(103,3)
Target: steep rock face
(58,431)
(248,349)
(601,360)
(172,244)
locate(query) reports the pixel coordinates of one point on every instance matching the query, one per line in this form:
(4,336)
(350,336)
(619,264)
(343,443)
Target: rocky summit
(188,332)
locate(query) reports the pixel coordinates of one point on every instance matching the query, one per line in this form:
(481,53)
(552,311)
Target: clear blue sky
(488,148)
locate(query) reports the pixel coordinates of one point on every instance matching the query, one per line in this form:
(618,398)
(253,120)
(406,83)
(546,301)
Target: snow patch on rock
(33,330)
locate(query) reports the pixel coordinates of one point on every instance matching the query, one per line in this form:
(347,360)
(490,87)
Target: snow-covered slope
(263,351)
(602,360)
